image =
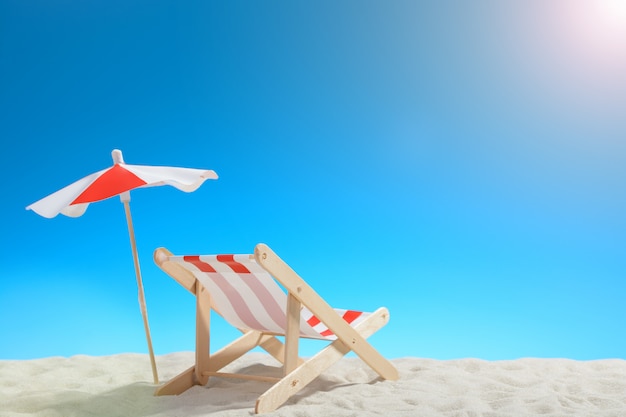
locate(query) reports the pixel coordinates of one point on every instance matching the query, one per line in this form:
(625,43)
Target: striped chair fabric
(247,296)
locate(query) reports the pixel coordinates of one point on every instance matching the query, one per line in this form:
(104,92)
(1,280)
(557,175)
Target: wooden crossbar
(242,376)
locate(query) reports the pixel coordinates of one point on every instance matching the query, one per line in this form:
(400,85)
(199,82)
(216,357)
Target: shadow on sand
(225,397)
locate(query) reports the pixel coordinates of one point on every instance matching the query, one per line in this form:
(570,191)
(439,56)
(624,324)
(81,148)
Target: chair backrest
(249,298)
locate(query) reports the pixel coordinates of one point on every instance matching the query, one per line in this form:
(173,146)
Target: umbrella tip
(117,156)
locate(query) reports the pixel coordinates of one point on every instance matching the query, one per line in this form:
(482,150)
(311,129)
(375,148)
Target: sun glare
(592,34)
(616,8)
(603,23)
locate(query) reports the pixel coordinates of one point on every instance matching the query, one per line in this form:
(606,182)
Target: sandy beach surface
(120,385)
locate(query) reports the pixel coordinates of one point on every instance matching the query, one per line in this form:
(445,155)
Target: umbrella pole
(142,298)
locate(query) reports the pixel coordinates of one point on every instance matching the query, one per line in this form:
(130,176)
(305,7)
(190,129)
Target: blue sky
(461,163)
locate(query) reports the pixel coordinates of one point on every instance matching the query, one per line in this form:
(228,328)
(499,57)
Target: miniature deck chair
(241,289)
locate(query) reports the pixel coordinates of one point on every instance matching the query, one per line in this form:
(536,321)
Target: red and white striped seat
(247,296)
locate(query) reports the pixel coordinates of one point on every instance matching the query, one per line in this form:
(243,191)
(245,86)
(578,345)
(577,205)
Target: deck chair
(244,290)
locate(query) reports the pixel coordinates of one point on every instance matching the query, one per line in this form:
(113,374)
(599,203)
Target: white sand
(120,386)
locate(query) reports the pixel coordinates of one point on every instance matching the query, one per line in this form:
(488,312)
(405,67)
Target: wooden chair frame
(297,373)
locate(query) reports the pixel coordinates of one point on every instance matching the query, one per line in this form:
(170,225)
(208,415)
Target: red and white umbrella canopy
(73,200)
(119,180)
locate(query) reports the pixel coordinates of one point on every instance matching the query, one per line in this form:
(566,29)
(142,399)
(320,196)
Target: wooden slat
(320,308)
(243,376)
(178,384)
(292,335)
(203,333)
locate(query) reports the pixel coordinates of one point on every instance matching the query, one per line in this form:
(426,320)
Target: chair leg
(203,333)
(312,368)
(178,384)
(194,375)
(292,334)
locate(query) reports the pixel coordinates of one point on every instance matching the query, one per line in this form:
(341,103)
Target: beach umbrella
(120,179)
